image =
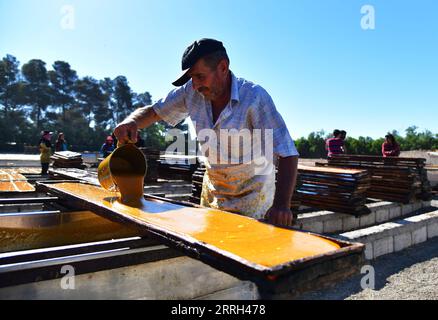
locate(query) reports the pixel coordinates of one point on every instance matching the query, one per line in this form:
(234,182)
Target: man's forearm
(144,117)
(286,181)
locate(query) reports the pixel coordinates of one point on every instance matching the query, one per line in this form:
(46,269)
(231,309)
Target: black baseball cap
(193,53)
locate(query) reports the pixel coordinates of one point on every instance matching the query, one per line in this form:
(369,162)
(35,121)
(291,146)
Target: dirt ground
(411,274)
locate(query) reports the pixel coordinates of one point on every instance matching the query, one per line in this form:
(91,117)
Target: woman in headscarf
(45,151)
(61,144)
(390,148)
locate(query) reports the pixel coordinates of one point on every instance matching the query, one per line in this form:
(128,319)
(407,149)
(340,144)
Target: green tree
(9,88)
(89,98)
(303,147)
(37,90)
(63,79)
(122,98)
(316,142)
(142,99)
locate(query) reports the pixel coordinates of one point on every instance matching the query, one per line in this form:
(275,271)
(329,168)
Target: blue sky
(323,70)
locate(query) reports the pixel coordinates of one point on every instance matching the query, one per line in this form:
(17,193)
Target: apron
(246,189)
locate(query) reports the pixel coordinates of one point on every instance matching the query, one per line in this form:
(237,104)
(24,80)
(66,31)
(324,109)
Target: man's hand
(126,131)
(280,216)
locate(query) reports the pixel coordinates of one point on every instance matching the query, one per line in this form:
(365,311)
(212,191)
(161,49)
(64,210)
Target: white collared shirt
(231,183)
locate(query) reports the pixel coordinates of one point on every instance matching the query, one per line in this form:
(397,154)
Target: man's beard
(210,94)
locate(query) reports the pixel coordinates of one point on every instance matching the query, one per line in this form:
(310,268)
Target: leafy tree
(123,99)
(316,143)
(11,89)
(104,113)
(63,80)
(37,90)
(89,98)
(142,99)
(303,147)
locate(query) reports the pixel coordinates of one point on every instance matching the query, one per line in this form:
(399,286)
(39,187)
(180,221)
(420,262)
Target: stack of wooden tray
(197,179)
(177,167)
(334,189)
(392,178)
(74,174)
(152,158)
(67,159)
(168,166)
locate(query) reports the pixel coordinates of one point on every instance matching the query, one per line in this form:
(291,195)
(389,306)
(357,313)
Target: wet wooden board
(236,244)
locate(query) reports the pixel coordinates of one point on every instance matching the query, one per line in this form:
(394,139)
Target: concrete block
(383,246)
(402,241)
(313,226)
(395,212)
(350,223)
(332,226)
(419,235)
(367,220)
(369,254)
(379,205)
(416,206)
(425,204)
(419,219)
(432,230)
(382,215)
(367,235)
(407,208)
(316,216)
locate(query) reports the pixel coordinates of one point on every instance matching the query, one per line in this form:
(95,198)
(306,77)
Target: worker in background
(343,137)
(218,101)
(45,147)
(61,143)
(390,148)
(335,145)
(108,147)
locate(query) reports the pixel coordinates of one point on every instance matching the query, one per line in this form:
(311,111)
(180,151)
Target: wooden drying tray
(15,186)
(238,245)
(370,158)
(13,181)
(331,170)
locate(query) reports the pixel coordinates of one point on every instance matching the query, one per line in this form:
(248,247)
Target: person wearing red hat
(108,147)
(218,102)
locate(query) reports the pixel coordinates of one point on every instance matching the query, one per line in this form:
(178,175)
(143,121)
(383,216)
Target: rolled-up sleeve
(173,108)
(267,117)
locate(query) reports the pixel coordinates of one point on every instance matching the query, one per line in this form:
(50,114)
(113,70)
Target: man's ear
(223,66)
